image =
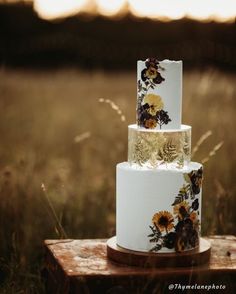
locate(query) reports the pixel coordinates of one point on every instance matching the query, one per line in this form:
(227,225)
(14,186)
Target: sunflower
(154,102)
(181,209)
(163,220)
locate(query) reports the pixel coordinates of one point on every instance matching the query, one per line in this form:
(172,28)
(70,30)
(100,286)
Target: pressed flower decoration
(163,220)
(150,111)
(184,233)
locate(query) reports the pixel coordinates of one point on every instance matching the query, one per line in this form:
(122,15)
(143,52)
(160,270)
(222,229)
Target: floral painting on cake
(179,229)
(150,110)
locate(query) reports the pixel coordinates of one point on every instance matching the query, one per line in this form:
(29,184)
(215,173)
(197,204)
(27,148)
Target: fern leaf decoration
(156,248)
(182,195)
(169,152)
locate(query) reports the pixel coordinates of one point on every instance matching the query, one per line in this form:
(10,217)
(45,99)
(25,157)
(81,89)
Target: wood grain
(82,266)
(198,256)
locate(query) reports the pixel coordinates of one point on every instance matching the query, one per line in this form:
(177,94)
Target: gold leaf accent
(153,148)
(168,153)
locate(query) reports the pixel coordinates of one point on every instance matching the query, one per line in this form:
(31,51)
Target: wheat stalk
(212,152)
(114,106)
(54,215)
(81,137)
(200,141)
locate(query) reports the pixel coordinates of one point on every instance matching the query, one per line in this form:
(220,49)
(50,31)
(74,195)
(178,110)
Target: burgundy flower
(196,180)
(180,243)
(151,72)
(195,204)
(169,240)
(151,61)
(184,226)
(193,238)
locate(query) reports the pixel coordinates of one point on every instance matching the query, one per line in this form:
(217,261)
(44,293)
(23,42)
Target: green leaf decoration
(155,239)
(178,199)
(182,195)
(156,248)
(156,234)
(151,235)
(187,178)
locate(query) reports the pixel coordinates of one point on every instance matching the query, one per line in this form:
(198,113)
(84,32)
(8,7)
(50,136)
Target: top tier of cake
(159,99)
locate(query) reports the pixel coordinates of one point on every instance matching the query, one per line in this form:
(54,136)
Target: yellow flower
(154,102)
(163,220)
(181,209)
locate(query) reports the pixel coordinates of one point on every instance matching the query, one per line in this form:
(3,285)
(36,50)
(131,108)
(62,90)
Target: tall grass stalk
(212,152)
(115,107)
(59,228)
(200,142)
(81,137)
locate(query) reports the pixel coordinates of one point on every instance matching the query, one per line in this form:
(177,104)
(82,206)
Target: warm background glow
(201,9)
(169,9)
(110,7)
(50,9)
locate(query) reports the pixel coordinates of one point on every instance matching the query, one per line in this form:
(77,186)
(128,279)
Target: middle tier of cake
(153,148)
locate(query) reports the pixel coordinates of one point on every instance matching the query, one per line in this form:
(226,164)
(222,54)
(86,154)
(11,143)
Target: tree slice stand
(188,258)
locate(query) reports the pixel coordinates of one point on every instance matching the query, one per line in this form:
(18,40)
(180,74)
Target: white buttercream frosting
(140,193)
(170,90)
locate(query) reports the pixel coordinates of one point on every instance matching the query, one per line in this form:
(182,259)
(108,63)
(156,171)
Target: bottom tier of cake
(158,210)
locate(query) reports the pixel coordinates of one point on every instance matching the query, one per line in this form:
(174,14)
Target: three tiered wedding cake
(158,193)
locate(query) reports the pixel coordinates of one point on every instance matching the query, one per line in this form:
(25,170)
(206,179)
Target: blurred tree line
(93,42)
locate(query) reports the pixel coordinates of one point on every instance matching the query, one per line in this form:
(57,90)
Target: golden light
(156,9)
(110,7)
(50,9)
(174,9)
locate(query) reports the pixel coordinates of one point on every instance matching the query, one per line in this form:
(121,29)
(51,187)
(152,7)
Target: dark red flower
(151,61)
(195,204)
(196,180)
(151,72)
(193,238)
(170,240)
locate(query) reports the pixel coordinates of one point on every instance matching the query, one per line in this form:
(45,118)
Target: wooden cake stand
(188,258)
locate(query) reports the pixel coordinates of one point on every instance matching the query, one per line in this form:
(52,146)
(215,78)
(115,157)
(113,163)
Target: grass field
(54,131)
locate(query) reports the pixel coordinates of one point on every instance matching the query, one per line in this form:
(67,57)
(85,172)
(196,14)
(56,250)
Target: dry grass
(54,131)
